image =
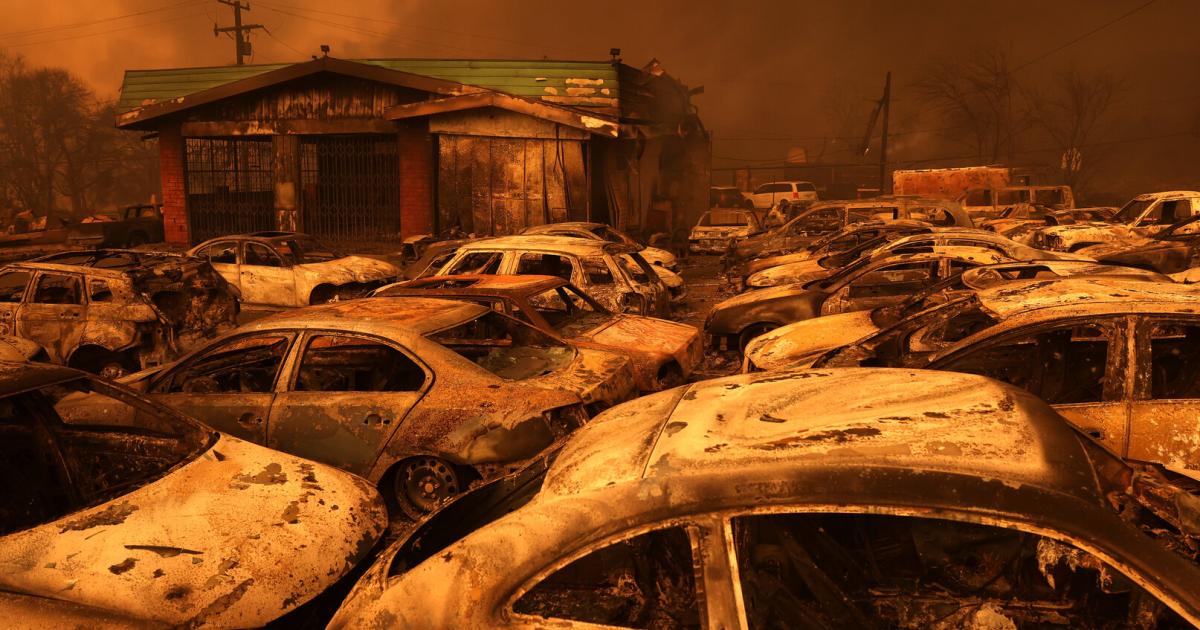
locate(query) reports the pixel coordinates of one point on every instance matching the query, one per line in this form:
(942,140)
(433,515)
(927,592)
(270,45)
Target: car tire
(751,332)
(421,484)
(670,376)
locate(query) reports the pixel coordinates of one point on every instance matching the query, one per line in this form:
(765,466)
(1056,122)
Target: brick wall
(170,155)
(416,178)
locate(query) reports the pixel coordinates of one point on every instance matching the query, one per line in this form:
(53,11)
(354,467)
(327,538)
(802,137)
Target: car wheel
(670,377)
(750,333)
(423,483)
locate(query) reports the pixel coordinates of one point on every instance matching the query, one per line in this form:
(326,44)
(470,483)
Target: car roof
(1167,194)
(1094,292)
(564,244)
(403,316)
(961,252)
(476,284)
(19,377)
(1065,268)
(269,235)
(810,419)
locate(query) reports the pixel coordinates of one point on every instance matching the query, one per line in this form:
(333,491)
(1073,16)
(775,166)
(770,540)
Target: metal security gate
(230,186)
(351,187)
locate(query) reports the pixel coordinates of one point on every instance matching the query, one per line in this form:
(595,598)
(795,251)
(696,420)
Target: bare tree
(974,94)
(1073,113)
(59,149)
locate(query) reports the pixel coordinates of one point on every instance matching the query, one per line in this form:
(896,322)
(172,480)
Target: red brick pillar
(416,178)
(174,197)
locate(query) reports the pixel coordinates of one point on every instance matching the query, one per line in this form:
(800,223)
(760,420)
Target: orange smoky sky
(772,69)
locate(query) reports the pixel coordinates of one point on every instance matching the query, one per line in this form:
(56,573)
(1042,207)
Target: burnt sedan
(814,499)
(1172,251)
(798,344)
(119,512)
(287,269)
(1115,358)
(806,270)
(606,233)
(862,285)
(420,396)
(664,353)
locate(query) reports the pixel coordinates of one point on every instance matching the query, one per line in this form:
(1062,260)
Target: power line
(62,27)
(285,44)
(104,32)
(364,31)
(1076,40)
(407,25)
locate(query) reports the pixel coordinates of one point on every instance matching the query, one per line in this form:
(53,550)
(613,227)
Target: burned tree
(975,95)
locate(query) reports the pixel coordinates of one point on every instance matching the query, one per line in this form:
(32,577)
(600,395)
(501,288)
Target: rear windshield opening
(718,218)
(505,347)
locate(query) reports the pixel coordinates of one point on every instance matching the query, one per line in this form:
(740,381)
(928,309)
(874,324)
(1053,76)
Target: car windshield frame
(559,356)
(298,250)
(1132,211)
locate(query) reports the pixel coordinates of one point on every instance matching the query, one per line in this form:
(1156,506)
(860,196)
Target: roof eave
(591,123)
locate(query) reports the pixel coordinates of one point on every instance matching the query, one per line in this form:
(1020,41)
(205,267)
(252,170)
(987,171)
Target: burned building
(389,148)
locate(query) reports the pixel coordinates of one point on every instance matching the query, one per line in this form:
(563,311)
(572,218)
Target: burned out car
(720,228)
(1115,358)
(862,285)
(120,512)
(114,311)
(615,274)
(798,345)
(419,396)
(1171,251)
(608,234)
(1144,215)
(814,499)
(663,352)
(850,237)
(288,269)
(812,269)
(830,217)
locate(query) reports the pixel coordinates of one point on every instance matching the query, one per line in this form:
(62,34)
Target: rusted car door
(265,277)
(54,313)
(344,400)
(13,285)
(230,385)
(1076,365)
(1164,422)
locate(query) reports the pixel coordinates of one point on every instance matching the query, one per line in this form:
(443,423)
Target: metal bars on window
(230,186)
(351,187)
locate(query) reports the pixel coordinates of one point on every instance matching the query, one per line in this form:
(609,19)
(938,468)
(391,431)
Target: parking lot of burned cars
(935,425)
(402,342)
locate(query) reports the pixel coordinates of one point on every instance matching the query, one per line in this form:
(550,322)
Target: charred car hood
(1163,257)
(234,538)
(597,376)
(656,256)
(775,261)
(796,272)
(350,269)
(720,232)
(798,344)
(648,333)
(779,305)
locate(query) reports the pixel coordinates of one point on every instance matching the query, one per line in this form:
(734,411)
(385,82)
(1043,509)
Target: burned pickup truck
(113,311)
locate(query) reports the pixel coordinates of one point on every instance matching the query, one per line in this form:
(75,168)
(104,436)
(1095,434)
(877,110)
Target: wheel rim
(112,371)
(425,483)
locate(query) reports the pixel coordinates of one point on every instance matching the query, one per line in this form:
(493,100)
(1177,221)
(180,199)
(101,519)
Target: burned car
(114,311)
(862,285)
(850,237)
(812,269)
(798,345)
(1144,215)
(1171,251)
(287,269)
(608,234)
(814,499)
(720,228)
(1115,358)
(829,217)
(419,396)
(663,352)
(120,512)
(615,274)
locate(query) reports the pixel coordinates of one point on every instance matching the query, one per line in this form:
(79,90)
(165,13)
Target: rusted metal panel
(496,186)
(948,183)
(500,123)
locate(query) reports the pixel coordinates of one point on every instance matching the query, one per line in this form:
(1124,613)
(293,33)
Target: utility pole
(242,42)
(883,138)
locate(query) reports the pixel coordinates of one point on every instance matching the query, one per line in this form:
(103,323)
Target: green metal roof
(572,83)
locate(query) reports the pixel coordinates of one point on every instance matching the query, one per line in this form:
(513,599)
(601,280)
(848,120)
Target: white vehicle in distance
(767,195)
